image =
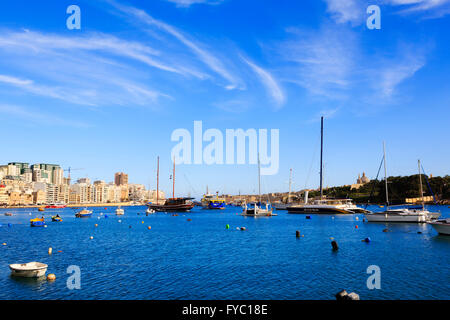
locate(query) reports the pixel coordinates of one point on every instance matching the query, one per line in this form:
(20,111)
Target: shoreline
(80,205)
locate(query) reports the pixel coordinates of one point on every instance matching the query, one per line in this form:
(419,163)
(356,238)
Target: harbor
(203,259)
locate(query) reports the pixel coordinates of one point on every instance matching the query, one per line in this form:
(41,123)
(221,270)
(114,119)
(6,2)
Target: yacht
(401,214)
(441,226)
(256,209)
(326,206)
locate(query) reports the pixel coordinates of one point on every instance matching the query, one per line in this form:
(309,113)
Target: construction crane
(70,170)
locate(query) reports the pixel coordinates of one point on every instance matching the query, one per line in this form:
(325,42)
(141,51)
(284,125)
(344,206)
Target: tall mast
(173,188)
(290,184)
(157,183)
(259,180)
(385,174)
(321,158)
(421,190)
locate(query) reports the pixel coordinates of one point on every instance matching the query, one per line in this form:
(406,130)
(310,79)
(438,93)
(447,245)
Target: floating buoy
(149,228)
(4,243)
(297,234)
(129,227)
(243,229)
(367,240)
(364,219)
(9,225)
(91,237)
(357,218)
(51,277)
(334,245)
(419,232)
(45,226)
(189,220)
(142,221)
(96,225)
(308,217)
(331,238)
(386,230)
(227,226)
(106,216)
(59,251)
(356,227)
(50,250)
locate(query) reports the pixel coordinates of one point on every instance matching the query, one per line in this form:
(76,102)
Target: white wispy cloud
(203,55)
(39,117)
(93,70)
(188,3)
(344,11)
(269,82)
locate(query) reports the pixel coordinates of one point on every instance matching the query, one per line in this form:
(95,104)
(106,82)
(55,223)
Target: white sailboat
(401,214)
(255,209)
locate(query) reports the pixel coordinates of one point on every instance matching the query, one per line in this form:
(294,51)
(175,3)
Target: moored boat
(120,211)
(28,270)
(55,206)
(8,214)
(57,218)
(37,222)
(441,226)
(84,213)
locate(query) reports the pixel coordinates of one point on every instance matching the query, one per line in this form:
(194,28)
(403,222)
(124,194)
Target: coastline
(88,205)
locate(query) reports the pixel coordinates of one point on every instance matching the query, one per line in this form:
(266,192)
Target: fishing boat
(57,218)
(441,226)
(37,222)
(400,214)
(83,213)
(322,205)
(120,211)
(171,204)
(256,209)
(28,270)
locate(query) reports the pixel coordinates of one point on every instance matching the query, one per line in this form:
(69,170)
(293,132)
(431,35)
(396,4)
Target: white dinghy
(28,270)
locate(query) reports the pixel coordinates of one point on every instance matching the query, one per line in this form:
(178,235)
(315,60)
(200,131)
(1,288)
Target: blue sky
(107,98)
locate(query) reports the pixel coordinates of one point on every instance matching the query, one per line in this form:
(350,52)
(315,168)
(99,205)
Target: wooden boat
(37,222)
(28,270)
(171,204)
(57,219)
(441,226)
(83,213)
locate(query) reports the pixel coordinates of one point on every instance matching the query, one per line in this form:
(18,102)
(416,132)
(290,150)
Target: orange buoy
(51,277)
(356,227)
(149,228)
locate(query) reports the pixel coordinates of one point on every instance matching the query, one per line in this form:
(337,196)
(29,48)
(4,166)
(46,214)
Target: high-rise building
(120,179)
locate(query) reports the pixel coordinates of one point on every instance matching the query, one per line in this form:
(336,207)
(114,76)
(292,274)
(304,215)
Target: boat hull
(441,228)
(171,207)
(28,270)
(395,217)
(319,210)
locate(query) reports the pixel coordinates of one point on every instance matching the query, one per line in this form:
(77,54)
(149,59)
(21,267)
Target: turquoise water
(201,259)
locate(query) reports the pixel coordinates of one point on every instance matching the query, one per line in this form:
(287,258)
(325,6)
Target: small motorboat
(37,222)
(120,211)
(28,270)
(8,214)
(85,213)
(441,226)
(149,211)
(41,209)
(57,218)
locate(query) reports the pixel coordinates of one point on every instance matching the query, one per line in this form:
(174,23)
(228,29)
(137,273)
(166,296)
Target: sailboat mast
(259,179)
(290,184)
(173,187)
(385,174)
(421,190)
(321,158)
(157,183)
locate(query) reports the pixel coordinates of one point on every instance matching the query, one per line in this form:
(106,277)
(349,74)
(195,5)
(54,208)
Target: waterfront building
(121,179)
